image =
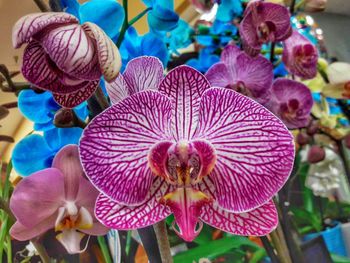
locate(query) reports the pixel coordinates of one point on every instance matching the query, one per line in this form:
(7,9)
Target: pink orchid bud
(303,138)
(316,154)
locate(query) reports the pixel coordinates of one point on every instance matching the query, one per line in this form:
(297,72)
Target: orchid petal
(68,162)
(255,151)
(23,233)
(107,52)
(115,145)
(46,186)
(185,86)
(230,54)
(143,73)
(219,75)
(257,222)
(336,91)
(72,99)
(71,239)
(117,89)
(117,216)
(29,25)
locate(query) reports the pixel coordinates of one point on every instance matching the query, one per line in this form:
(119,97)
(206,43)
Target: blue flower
(36,152)
(40,108)
(219,35)
(107,14)
(134,46)
(162,16)
(228,10)
(180,37)
(205,60)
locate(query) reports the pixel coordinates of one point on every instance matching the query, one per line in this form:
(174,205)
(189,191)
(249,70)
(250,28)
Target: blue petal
(228,10)
(162,19)
(31,154)
(180,37)
(39,108)
(59,137)
(151,45)
(71,7)
(107,14)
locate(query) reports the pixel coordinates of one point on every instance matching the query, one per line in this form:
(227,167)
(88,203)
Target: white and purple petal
(255,151)
(185,86)
(117,89)
(115,145)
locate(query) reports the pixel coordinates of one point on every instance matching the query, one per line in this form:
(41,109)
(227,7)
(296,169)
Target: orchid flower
(291,101)
(58,198)
(64,57)
(263,22)
(300,56)
(178,146)
(339,81)
(237,71)
(204,61)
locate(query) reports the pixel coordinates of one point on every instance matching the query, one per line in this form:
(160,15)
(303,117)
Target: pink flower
(58,198)
(178,146)
(263,22)
(300,56)
(238,71)
(64,57)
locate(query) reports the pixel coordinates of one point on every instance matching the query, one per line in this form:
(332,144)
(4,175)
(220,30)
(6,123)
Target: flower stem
(272,52)
(139,16)
(101,98)
(42,5)
(125,24)
(104,248)
(280,246)
(292,7)
(5,207)
(269,249)
(41,250)
(163,242)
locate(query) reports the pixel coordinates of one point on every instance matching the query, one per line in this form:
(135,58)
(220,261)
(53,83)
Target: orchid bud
(316,154)
(312,128)
(347,141)
(303,138)
(64,118)
(315,5)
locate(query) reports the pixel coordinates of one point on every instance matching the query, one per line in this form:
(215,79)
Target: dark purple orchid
(204,154)
(58,198)
(249,76)
(300,56)
(291,101)
(263,22)
(64,57)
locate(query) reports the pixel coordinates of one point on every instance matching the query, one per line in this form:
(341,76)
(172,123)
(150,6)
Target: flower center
(305,54)
(240,88)
(291,109)
(266,32)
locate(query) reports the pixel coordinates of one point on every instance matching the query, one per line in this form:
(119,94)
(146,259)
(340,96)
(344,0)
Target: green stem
(299,4)
(5,207)
(163,242)
(139,16)
(104,248)
(269,249)
(125,24)
(41,250)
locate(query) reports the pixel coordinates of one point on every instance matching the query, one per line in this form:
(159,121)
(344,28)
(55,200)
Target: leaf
(258,256)
(339,259)
(215,248)
(304,217)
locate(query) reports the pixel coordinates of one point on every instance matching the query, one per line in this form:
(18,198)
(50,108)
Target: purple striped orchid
(58,198)
(64,57)
(300,56)
(263,22)
(178,146)
(238,71)
(291,101)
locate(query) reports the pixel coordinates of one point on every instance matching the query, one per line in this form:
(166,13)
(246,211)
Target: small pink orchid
(64,57)
(58,198)
(300,56)
(263,22)
(178,146)
(291,101)
(238,71)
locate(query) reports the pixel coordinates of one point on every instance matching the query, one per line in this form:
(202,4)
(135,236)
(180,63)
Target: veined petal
(46,186)
(185,86)
(68,162)
(143,73)
(107,52)
(29,25)
(255,151)
(117,89)
(257,222)
(72,99)
(120,217)
(219,75)
(230,54)
(115,145)
(70,239)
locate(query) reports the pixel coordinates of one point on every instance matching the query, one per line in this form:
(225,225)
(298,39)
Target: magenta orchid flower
(263,22)
(64,57)
(238,71)
(58,198)
(300,56)
(291,101)
(179,146)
